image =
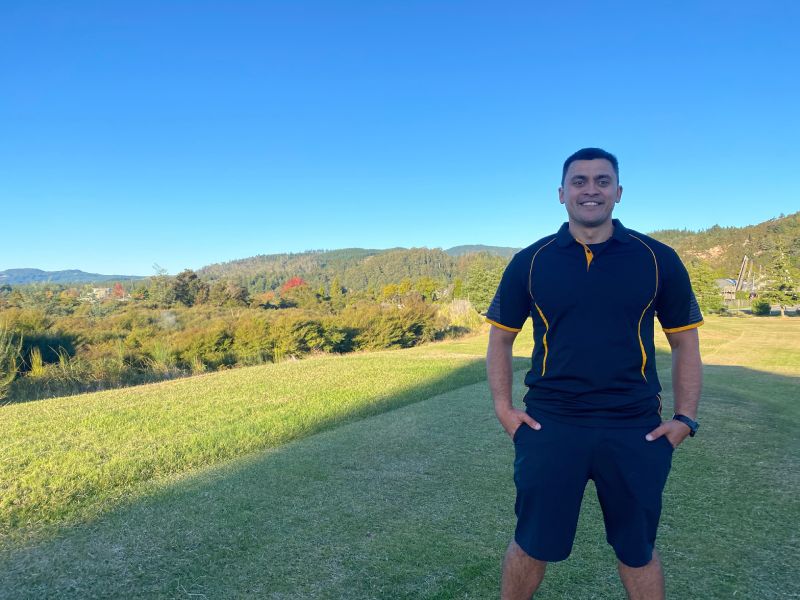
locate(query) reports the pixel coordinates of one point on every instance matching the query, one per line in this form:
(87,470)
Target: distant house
(101,293)
(728,288)
(98,294)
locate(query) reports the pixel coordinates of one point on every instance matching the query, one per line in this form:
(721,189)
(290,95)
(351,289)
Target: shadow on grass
(417,503)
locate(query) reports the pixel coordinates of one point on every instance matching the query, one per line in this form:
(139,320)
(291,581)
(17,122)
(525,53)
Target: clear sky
(189,132)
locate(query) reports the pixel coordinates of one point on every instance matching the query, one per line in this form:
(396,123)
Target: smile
(590,203)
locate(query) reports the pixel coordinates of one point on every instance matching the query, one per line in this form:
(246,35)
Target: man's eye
(603,182)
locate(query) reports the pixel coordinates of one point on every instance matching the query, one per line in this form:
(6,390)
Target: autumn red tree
(292,283)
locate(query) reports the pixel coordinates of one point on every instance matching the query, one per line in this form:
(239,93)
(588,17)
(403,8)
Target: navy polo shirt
(593,308)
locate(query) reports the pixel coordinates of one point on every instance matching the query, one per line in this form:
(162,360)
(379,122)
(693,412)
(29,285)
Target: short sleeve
(511,305)
(676,305)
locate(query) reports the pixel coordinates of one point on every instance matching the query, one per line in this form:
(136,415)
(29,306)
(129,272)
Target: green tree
(761,307)
(189,289)
(458,288)
(336,293)
(705,287)
(228,293)
(426,286)
(297,292)
(389,291)
(161,290)
(781,285)
(404,287)
(483,277)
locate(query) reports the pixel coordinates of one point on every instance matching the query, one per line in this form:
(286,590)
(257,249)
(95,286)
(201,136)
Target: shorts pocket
(518,433)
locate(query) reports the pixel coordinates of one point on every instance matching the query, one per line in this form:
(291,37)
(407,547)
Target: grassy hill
(373,476)
(722,248)
(355,268)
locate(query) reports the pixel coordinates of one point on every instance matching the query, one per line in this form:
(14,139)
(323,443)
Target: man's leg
(550,473)
(643,583)
(629,474)
(522,574)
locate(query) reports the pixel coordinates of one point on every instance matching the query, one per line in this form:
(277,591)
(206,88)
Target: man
(593,409)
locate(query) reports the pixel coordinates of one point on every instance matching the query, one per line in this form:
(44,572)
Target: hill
(503,251)
(722,248)
(28,276)
(354,268)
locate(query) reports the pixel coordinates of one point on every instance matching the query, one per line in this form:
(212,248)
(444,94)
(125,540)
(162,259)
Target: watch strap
(690,423)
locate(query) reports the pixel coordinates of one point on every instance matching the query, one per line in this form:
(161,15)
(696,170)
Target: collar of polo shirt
(564,237)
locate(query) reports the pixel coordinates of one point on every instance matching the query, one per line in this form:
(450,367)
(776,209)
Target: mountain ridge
(721,248)
(26,276)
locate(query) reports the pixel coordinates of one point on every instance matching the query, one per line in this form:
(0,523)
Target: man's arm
(499,371)
(687,382)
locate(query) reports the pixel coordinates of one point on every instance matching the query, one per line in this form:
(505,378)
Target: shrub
(161,359)
(761,307)
(211,345)
(296,335)
(461,315)
(251,341)
(393,326)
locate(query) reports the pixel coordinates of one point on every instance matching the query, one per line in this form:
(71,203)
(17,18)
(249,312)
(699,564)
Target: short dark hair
(590,154)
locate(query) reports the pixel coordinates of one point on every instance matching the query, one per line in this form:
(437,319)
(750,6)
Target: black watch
(691,424)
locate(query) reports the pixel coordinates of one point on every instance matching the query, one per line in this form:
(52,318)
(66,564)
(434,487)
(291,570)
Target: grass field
(375,476)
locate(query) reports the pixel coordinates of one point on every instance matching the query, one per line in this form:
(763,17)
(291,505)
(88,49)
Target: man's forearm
(500,372)
(687,379)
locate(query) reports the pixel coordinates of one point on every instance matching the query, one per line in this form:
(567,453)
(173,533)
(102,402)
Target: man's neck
(592,235)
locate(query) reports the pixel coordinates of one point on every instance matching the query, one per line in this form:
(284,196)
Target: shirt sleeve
(676,306)
(511,305)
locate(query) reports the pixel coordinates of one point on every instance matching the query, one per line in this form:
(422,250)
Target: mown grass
(67,459)
(417,503)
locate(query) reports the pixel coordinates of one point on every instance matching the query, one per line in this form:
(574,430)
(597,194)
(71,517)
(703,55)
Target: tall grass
(9,353)
(36,370)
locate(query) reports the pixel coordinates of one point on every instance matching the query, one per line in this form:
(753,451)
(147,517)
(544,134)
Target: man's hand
(512,418)
(675,431)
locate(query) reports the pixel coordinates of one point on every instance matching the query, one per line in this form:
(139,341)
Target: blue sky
(186,133)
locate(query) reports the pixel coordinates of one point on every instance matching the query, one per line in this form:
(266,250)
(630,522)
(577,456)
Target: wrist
(503,408)
(688,421)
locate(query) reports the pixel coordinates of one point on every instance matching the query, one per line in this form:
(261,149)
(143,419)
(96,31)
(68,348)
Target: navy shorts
(551,469)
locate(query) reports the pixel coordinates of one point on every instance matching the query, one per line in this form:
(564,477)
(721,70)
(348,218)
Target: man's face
(590,191)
